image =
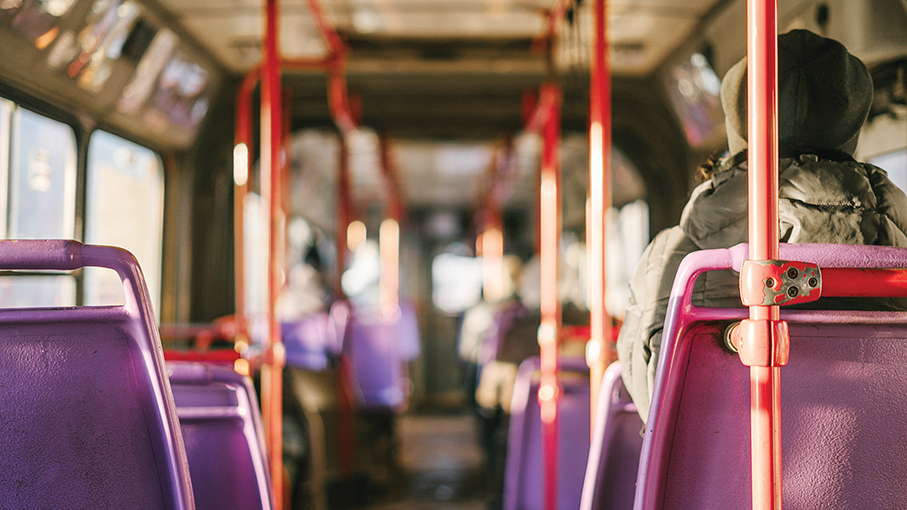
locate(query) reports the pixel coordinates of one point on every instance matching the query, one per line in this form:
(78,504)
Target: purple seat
(523,486)
(376,363)
(378,350)
(221,426)
(842,395)
(88,417)
(309,341)
(610,481)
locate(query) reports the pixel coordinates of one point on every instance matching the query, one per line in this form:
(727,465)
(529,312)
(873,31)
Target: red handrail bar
(599,351)
(339,103)
(271,144)
(490,219)
(554,19)
(389,281)
(336,47)
(242,136)
(546,106)
(841,282)
(762,126)
(499,175)
(391,179)
(345,120)
(225,357)
(546,118)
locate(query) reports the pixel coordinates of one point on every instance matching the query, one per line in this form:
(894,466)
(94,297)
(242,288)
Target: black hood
(824,96)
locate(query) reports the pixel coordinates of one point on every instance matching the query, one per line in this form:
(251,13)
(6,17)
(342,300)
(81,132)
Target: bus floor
(441,467)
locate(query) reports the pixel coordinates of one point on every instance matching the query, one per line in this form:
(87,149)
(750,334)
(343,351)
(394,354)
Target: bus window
(38,181)
(37,290)
(895,163)
(124,208)
(6,113)
(42,178)
(456,282)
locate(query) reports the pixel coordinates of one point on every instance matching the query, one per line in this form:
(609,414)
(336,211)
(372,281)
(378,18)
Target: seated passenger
(825,195)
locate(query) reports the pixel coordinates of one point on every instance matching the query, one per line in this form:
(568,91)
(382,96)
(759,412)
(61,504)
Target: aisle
(442,466)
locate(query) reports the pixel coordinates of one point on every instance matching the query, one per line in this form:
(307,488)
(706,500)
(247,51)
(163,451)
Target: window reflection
(180,96)
(37,20)
(694,88)
(139,89)
(125,208)
(89,56)
(43,178)
(8,9)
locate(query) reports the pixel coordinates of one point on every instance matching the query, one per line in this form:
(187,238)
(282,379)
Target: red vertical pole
(493,246)
(272,373)
(762,91)
(549,330)
(599,348)
(389,238)
(241,175)
(344,216)
(345,427)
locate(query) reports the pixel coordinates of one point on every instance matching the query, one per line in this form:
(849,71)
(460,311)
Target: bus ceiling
(423,69)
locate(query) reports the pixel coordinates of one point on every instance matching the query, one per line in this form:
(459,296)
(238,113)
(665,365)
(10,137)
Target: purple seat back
(523,482)
(410,340)
(309,341)
(610,481)
(842,399)
(376,363)
(89,420)
(221,426)
(341,314)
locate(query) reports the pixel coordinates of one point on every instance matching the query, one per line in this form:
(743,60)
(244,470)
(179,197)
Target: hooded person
(825,196)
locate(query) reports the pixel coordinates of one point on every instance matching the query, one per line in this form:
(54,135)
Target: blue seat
(523,487)
(88,417)
(221,426)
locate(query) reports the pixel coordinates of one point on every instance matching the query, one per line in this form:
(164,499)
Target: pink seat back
(614,453)
(842,394)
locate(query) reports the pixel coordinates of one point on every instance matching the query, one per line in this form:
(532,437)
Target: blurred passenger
(478,339)
(513,336)
(825,94)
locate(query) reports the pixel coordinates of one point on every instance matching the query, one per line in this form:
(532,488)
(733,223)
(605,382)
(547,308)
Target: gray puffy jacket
(820,201)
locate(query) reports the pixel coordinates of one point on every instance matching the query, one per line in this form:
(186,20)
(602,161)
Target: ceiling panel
(641,31)
(446,24)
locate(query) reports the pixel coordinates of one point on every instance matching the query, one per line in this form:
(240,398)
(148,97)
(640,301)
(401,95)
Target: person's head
(824,96)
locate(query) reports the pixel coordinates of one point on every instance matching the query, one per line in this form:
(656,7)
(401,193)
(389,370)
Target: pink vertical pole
(599,348)
(762,92)
(271,148)
(549,330)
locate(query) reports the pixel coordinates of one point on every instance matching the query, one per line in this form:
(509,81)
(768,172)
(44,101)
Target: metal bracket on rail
(779,282)
(766,343)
